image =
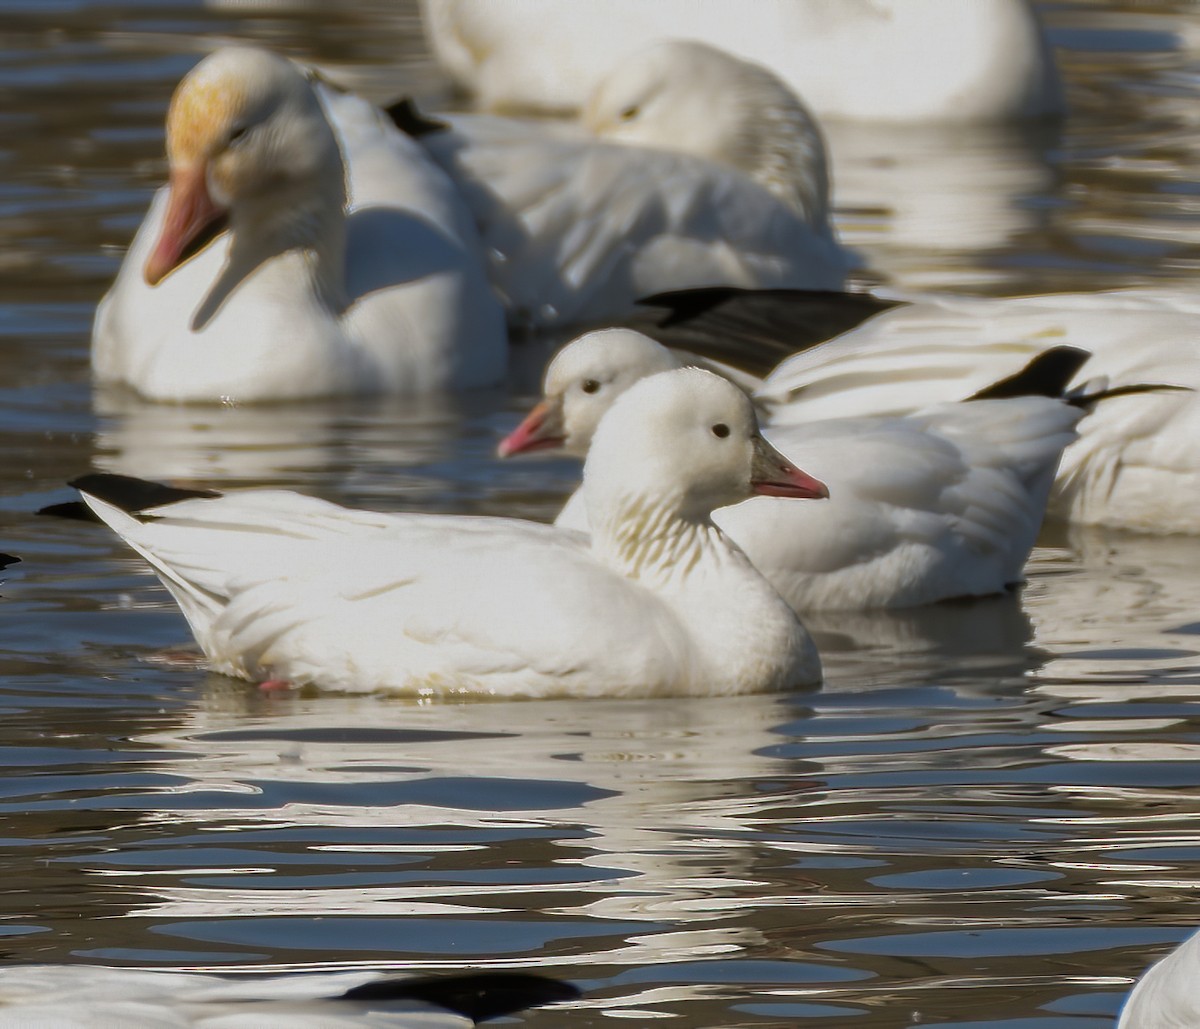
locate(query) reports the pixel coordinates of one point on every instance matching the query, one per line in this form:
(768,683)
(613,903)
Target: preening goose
(899,61)
(690,168)
(280,586)
(943,503)
(350,264)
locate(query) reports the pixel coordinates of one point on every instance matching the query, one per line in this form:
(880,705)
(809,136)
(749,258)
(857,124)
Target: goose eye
(629,113)
(237,133)
(720,430)
(590,386)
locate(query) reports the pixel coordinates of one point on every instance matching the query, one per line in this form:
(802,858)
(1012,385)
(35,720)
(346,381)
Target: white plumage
(362,277)
(946,502)
(280,586)
(897,61)
(1166,996)
(690,168)
(1135,465)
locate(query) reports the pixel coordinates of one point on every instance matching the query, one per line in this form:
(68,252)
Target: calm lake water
(988,816)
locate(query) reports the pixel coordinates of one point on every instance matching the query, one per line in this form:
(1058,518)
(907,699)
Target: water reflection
(921,199)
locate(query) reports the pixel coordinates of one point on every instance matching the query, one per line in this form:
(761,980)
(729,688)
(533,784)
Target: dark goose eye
(720,430)
(590,386)
(237,132)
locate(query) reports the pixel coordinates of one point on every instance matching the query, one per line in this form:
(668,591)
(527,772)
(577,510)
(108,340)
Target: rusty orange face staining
(202,106)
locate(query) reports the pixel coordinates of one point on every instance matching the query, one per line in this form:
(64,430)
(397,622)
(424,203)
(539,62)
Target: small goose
(944,503)
(898,61)
(312,291)
(689,168)
(100,997)
(279,586)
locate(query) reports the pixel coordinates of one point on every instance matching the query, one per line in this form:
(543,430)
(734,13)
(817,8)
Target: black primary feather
(75,510)
(1090,399)
(752,330)
(477,997)
(1046,375)
(409,120)
(133,495)
(8,559)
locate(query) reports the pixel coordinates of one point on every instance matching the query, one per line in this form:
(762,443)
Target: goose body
(943,503)
(280,586)
(100,997)
(689,168)
(350,265)
(1134,466)
(1165,997)
(898,61)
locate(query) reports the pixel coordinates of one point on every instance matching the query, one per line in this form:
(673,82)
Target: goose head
(247,141)
(580,385)
(693,98)
(678,445)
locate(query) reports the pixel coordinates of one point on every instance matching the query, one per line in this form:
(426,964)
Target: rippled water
(988,816)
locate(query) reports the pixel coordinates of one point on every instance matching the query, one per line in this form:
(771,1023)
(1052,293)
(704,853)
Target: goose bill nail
(773,475)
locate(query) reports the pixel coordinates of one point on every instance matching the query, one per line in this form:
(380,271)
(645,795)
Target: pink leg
(274,685)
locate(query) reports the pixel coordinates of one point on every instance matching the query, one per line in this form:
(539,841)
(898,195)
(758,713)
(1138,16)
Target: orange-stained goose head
(246,140)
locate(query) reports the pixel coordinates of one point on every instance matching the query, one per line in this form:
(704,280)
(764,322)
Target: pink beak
(542,429)
(190,210)
(773,475)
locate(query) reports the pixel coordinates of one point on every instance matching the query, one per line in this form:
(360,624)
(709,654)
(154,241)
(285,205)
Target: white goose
(304,296)
(280,586)
(1166,997)
(691,168)
(1135,465)
(898,61)
(100,997)
(944,503)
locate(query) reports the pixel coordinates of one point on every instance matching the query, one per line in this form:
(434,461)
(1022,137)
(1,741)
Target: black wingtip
(73,510)
(477,997)
(8,559)
(684,305)
(1091,399)
(409,120)
(133,495)
(752,330)
(1047,375)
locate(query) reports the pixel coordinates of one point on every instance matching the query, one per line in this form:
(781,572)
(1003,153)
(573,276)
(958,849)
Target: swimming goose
(100,997)
(1135,465)
(899,61)
(1165,997)
(351,270)
(943,503)
(278,586)
(690,168)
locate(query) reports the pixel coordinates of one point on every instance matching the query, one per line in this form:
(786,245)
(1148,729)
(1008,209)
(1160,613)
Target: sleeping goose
(1135,465)
(690,168)
(279,586)
(943,503)
(351,270)
(100,997)
(899,61)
